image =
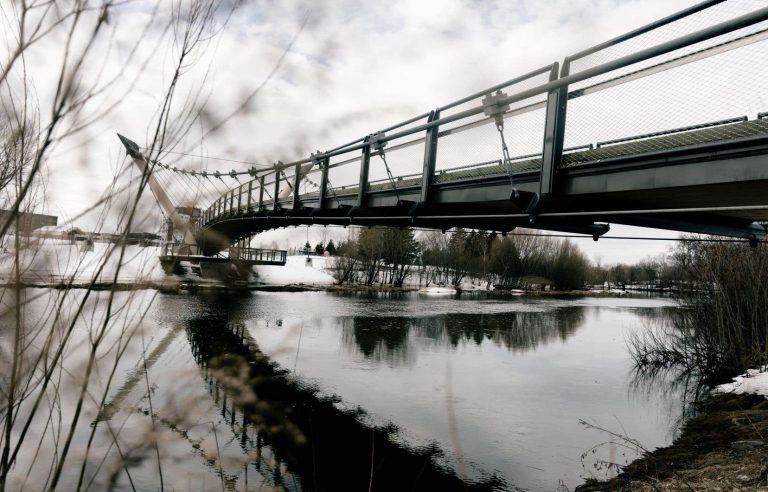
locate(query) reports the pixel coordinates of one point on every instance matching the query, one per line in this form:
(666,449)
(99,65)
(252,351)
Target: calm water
(307,390)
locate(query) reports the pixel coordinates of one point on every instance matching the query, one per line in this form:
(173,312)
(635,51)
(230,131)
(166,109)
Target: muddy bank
(725,447)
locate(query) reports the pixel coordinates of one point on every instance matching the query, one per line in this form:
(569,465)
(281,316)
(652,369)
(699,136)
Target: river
(323,391)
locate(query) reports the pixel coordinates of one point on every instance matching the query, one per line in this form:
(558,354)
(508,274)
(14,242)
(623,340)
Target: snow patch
(53,261)
(305,270)
(754,381)
(437,291)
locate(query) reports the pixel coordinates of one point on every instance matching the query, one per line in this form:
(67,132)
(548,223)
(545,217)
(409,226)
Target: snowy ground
(297,270)
(53,261)
(754,381)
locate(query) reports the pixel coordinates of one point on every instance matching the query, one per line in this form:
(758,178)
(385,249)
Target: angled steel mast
(179,223)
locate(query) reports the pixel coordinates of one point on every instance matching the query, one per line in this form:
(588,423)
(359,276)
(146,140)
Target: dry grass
(702,457)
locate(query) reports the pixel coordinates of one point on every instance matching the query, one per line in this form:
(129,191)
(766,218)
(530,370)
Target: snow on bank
(53,261)
(297,270)
(437,291)
(754,381)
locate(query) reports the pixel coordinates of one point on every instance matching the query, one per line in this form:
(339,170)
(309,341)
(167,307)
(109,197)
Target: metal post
(231,200)
(365,163)
(261,192)
(554,132)
(250,193)
(277,190)
(296,179)
(430,158)
(239,197)
(323,180)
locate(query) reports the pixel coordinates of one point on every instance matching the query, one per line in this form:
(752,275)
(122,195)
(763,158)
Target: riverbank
(173,285)
(725,447)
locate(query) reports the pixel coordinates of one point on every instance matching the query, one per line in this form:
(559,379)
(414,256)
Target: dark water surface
(318,391)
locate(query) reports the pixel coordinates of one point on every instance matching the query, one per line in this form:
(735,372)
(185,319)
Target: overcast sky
(356,67)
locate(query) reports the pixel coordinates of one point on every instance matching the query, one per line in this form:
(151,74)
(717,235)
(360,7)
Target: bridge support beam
(554,133)
(277,190)
(261,192)
(296,179)
(323,163)
(430,158)
(365,163)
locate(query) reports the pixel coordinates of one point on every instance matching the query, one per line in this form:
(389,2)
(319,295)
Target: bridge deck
(712,168)
(633,146)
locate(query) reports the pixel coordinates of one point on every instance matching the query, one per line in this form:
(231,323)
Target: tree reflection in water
(387,339)
(319,445)
(679,385)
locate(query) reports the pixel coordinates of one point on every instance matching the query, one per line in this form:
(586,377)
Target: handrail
(645,29)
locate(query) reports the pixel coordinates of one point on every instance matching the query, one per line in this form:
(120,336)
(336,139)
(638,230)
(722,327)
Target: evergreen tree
(331,248)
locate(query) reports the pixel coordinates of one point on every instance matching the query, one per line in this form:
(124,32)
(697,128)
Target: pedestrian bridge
(664,127)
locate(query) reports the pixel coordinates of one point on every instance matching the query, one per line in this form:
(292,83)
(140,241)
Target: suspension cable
(505,154)
(389,173)
(333,192)
(493,107)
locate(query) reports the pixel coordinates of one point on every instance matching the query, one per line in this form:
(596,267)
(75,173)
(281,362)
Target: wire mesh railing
(257,255)
(700,93)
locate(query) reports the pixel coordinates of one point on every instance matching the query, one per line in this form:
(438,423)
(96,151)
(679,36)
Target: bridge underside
(710,186)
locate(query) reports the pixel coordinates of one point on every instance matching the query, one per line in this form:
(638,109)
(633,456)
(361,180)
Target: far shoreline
(173,286)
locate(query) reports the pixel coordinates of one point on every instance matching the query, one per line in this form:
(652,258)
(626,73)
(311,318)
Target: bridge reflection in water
(297,438)
(516,376)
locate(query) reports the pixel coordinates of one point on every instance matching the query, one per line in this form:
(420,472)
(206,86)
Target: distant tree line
(521,260)
(662,272)
(389,256)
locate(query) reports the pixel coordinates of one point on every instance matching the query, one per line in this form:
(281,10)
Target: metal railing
(255,254)
(540,99)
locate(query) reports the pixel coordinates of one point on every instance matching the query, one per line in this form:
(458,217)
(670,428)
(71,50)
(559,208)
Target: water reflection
(307,436)
(389,339)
